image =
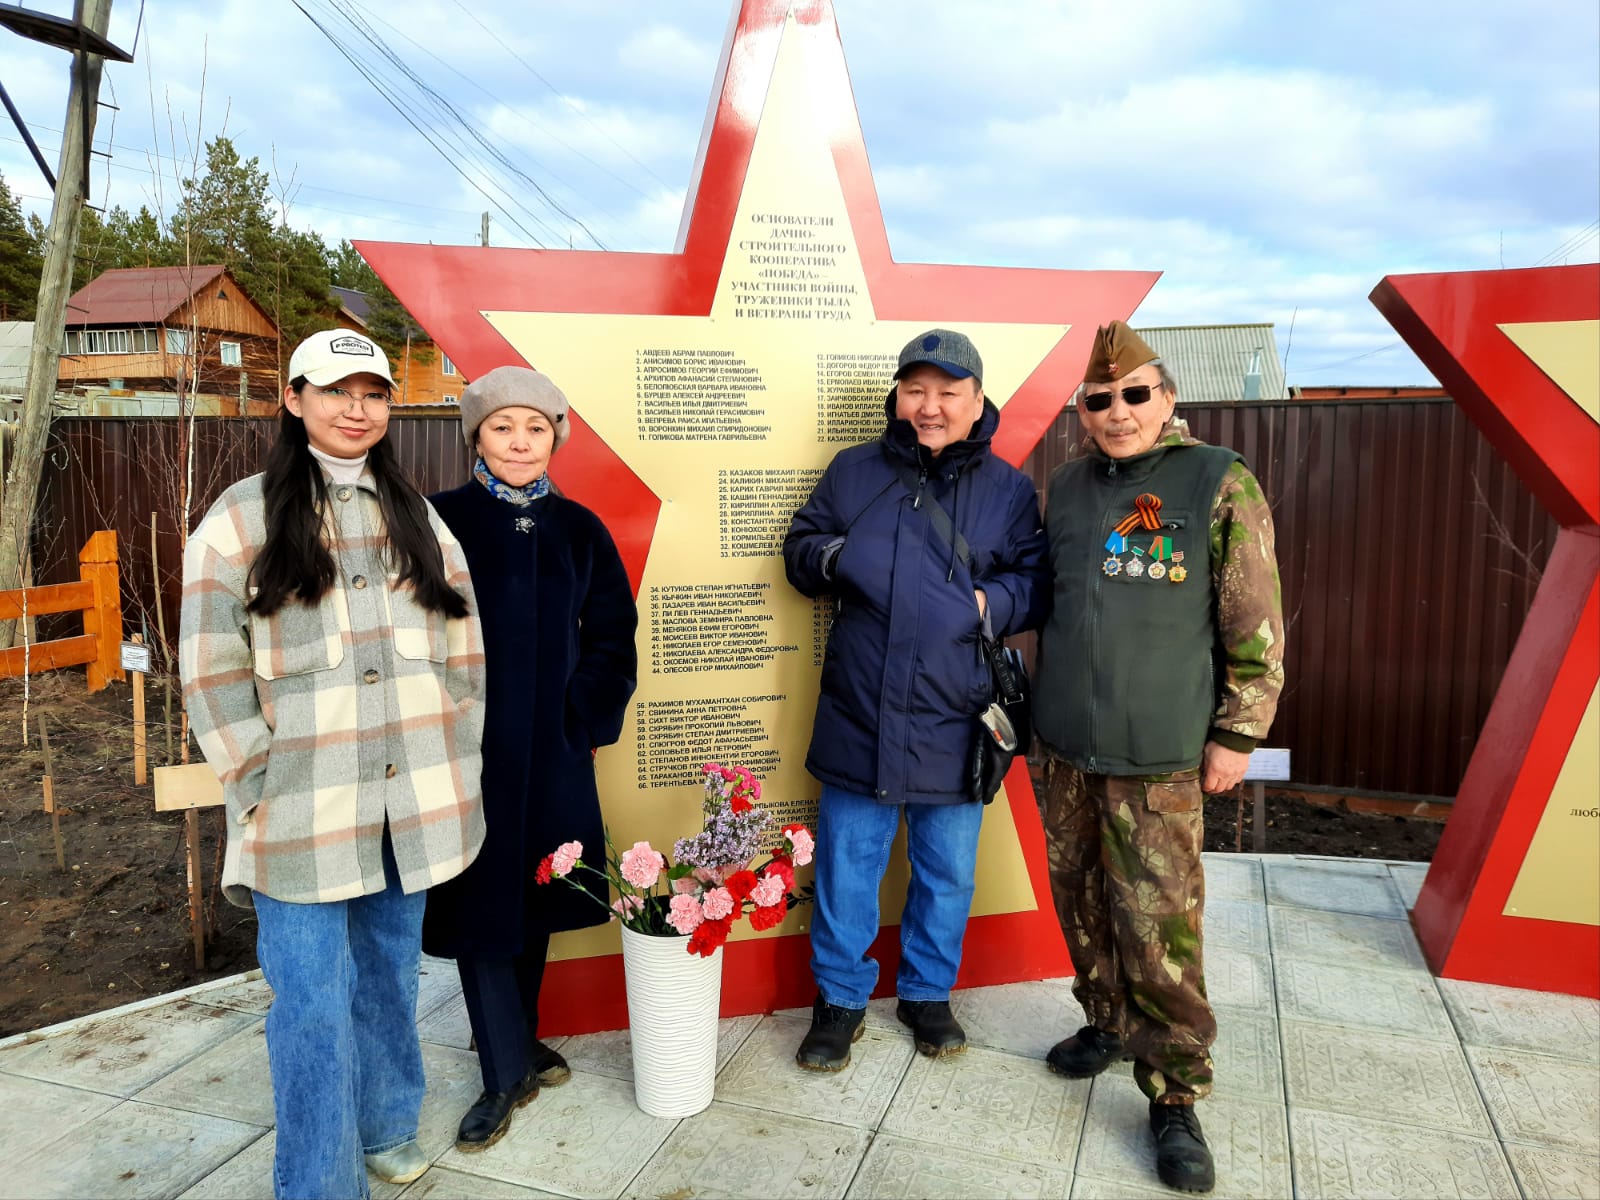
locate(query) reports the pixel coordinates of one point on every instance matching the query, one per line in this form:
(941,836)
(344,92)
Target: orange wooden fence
(97,594)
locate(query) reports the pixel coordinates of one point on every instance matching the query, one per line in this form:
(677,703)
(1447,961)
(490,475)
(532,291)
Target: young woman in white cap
(332,663)
(558,627)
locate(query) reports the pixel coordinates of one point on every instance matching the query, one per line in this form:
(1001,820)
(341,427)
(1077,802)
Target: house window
(103,341)
(177,341)
(230,353)
(446,367)
(447,398)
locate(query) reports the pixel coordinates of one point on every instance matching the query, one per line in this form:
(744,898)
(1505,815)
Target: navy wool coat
(904,677)
(558,631)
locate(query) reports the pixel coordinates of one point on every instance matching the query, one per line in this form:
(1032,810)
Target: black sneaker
(490,1115)
(826,1046)
(934,1027)
(548,1065)
(1183,1160)
(1086,1053)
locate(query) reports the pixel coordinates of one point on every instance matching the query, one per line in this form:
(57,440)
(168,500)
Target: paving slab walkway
(1344,1069)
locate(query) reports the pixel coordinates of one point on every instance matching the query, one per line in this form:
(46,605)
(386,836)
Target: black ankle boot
(1183,1160)
(826,1046)
(548,1065)
(1085,1053)
(934,1027)
(490,1115)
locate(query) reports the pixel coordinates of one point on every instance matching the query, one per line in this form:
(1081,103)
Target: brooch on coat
(523,524)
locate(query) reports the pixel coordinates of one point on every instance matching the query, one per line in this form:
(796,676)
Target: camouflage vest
(1127,671)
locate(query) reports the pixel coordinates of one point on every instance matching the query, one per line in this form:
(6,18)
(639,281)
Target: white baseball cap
(336,354)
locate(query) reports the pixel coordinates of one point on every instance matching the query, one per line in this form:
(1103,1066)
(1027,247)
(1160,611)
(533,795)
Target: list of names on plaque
(698,396)
(850,395)
(711,627)
(757,506)
(677,736)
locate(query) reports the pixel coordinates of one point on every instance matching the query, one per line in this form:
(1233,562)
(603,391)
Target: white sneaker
(400,1165)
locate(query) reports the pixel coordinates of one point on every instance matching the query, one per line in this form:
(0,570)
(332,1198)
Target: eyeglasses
(336,402)
(1100,401)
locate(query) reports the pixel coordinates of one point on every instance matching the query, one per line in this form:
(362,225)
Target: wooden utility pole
(55,285)
(484,236)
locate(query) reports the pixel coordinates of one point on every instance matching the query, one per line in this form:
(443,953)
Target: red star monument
(1513,893)
(710,386)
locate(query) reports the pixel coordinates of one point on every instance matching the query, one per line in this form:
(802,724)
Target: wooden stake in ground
(140,765)
(50,795)
(191,826)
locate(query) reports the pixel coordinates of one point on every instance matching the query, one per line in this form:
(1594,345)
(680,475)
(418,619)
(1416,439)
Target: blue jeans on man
(341,1033)
(854,834)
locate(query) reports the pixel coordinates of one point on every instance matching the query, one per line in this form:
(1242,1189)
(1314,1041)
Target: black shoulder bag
(1005,728)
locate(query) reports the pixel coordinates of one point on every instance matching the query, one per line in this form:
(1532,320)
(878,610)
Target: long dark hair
(294,563)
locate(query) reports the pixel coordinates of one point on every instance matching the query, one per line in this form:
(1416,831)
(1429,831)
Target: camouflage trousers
(1125,872)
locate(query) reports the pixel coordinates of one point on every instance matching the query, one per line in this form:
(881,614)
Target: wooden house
(167,330)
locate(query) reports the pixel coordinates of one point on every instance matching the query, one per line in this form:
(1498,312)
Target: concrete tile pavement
(1344,1069)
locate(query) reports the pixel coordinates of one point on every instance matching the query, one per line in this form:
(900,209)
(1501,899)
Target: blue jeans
(854,833)
(341,1033)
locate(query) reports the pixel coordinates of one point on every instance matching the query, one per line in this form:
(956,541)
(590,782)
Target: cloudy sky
(1274,160)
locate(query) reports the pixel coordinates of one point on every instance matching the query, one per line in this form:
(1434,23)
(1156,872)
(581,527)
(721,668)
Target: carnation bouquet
(716,879)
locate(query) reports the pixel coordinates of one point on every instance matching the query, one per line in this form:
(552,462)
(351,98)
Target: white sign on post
(1268,764)
(136,657)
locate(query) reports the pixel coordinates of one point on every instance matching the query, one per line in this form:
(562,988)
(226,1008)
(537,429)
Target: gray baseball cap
(952,352)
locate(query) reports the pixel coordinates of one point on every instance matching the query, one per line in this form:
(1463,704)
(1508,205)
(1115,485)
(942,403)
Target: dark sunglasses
(1100,401)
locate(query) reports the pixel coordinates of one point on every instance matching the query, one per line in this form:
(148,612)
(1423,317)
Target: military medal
(1135,564)
(1179,572)
(1160,548)
(1116,545)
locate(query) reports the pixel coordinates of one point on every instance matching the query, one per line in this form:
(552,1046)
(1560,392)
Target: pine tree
(21,258)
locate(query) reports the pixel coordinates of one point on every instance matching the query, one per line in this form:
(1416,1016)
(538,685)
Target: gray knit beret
(508,387)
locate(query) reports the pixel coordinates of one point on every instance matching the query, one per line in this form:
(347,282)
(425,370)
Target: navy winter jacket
(904,677)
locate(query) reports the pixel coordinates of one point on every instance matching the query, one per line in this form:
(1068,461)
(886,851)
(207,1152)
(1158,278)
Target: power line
(448,111)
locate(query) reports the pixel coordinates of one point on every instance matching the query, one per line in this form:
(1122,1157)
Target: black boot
(547,1064)
(1183,1160)
(1085,1053)
(934,1027)
(490,1115)
(826,1046)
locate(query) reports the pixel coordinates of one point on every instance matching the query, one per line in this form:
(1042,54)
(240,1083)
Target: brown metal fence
(1409,553)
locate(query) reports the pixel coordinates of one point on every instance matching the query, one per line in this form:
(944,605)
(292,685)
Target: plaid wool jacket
(325,720)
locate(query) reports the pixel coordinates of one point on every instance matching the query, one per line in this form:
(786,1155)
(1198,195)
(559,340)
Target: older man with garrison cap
(1160,669)
(923,538)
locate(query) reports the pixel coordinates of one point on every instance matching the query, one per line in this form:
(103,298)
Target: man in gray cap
(925,540)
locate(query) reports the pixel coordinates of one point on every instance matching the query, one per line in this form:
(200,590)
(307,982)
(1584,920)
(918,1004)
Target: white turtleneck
(340,470)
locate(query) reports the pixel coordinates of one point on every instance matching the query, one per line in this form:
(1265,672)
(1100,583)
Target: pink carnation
(768,891)
(718,903)
(641,866)
(565,858)
(685,914)
(626,906)
(688,885)
(800,838)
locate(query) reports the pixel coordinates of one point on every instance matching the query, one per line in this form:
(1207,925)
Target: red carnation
(740,884)
(766,918)
(739,804)
(709,935)
(542,875)
(783,869)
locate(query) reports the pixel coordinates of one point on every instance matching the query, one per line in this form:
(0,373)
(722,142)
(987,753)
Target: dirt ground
(114,926)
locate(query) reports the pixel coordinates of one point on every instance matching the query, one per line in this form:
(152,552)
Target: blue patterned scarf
(520,496)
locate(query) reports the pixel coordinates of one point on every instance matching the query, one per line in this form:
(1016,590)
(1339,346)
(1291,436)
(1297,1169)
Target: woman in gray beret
(558,625)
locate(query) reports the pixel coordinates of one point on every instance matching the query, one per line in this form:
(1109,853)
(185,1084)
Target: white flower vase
(673,998)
